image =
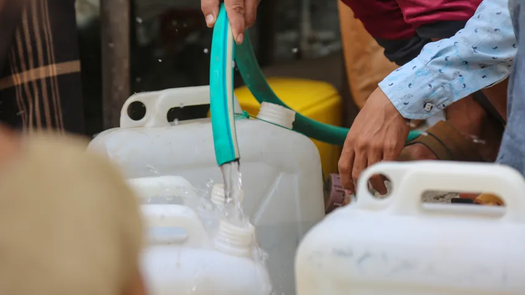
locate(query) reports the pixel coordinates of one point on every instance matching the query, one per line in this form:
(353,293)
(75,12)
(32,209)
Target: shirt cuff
(419,92)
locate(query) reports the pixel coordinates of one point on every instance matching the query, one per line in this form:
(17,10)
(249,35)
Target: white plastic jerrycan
(398,246)
(167,189)
(188,262)
(281,169)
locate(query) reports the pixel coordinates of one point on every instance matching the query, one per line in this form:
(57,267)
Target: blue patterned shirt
(478,56)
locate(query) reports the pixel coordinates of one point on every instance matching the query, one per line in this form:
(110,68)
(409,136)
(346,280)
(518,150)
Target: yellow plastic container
(313,99)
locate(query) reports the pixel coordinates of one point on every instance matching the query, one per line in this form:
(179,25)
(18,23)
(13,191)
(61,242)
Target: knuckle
(343,168)
(376,147)
(238,8)
(362,145)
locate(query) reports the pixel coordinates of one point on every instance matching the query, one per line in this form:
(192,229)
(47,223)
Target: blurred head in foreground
(68,223)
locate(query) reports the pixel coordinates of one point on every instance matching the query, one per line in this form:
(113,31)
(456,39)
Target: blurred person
(478,56)
(473,127)
(69,225)
(40,86)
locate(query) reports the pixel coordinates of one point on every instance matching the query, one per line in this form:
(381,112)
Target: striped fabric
(40,86)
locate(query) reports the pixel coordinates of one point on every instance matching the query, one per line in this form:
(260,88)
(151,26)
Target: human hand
(378,134)
(241,13)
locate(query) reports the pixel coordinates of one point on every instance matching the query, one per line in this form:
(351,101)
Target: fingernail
(239,38)
(348,192)
(210,20)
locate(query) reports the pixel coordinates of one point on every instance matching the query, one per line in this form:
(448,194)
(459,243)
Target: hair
(69,225)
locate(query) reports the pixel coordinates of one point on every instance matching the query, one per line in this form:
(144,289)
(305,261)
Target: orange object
(365,62)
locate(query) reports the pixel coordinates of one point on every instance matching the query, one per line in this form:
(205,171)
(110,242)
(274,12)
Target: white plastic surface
(234,240)
(164,216)
(276,114)
(161,186)
(158,103)
(397,246)
(281,170)
(192,266)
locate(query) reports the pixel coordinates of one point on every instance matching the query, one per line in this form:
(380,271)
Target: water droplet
(160,60)
(138,79)
(181,105)
(175,122)
(295,50)
(138,20)
(206,50)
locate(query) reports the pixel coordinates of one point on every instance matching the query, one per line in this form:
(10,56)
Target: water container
(189,262)
(316,100)
(399,246)
(281,169)
(168,189)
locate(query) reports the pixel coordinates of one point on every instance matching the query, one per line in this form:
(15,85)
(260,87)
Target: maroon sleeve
(438,18)
(382,18)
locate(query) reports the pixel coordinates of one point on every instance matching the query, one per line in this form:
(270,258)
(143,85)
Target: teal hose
(256,82)
(221,94)
(221,91)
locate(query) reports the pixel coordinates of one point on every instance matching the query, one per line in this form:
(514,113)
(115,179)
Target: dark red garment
(399,19)
(403,27)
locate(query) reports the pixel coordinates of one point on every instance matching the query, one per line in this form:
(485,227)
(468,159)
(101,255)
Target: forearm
(476,57)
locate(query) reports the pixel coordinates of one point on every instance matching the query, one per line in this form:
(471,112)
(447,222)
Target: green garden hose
(221,94)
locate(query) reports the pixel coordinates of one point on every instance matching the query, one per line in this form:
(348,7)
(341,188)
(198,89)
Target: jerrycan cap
(276,114)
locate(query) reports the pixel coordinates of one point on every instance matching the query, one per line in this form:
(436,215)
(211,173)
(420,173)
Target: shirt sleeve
(445,71)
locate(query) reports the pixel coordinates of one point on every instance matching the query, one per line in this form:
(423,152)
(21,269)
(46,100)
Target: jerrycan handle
(411,180)
(150,109)
(176,216)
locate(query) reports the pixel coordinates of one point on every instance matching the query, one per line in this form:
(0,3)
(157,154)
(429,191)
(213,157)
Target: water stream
(231,174)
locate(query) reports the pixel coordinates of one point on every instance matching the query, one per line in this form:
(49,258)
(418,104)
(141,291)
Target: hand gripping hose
(221,87)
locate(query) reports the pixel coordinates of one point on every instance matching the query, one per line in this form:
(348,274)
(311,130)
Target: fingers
(236,13)
(360,164)
(346,162)
(251,12)
(210,9)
